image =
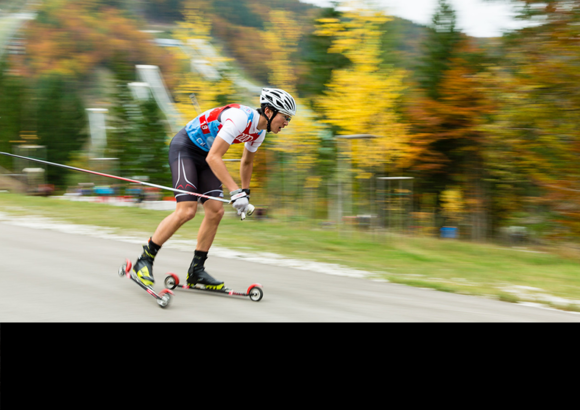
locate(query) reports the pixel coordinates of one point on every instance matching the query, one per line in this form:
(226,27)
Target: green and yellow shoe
(143,268)
(199,276)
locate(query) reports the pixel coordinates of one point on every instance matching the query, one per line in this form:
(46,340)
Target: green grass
(445,265)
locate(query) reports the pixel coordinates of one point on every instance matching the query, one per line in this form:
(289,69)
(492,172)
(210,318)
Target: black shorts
(190,171)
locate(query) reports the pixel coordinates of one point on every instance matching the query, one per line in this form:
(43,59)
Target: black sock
(199,258)
(153,247)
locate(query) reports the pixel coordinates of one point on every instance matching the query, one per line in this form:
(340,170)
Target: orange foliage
(75,41)
(537,126)
(452,121)
(244,43)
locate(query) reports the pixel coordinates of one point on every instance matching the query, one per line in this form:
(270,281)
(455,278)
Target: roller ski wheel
(254,292)
(163,298)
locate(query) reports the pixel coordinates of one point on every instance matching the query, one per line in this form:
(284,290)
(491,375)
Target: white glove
(239,200)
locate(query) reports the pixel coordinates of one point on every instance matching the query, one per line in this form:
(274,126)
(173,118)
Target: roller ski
(163,298)
(199,279)
(254,292)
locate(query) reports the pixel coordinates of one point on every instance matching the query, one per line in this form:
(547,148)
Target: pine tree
(316,60)
(439,48)
(138,137)
(62,123)
(13,111)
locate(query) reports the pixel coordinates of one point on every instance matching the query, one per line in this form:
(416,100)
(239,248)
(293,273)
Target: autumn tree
(439,48)
(89,34)
(445,112)
(195,35)
(296,147)
(316,62)
(449,144)
(535,133)
(362,98)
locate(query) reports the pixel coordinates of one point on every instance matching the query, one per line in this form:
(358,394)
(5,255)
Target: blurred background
(423,129)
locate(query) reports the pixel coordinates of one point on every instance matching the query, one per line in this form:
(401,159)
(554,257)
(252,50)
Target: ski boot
(143,268)
(197,275)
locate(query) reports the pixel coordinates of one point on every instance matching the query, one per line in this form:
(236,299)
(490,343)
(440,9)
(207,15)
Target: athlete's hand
(249,211)
(239,200)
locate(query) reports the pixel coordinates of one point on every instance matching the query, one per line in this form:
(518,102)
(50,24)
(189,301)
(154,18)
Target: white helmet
(279,100)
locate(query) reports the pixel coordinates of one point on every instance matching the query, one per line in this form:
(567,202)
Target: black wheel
(170,282)
(256,294)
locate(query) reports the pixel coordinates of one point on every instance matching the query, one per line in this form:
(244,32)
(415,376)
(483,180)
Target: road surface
(55,276)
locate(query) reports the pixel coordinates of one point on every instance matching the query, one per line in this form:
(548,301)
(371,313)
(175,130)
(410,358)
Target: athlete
(196,159)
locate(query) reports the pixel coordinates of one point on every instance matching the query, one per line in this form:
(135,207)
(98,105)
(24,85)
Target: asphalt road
(51,276)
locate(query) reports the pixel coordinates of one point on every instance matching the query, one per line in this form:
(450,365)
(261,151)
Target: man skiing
(196,159)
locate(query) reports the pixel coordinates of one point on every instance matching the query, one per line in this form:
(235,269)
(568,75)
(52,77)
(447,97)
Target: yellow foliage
(313,182)
(207,92)
(363,175)
(362,98)
(280,38)
(452,204)
(328,27)
(195,22)
(301,137)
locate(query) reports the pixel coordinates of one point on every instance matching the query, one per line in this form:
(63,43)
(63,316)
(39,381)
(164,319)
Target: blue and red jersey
(234,123)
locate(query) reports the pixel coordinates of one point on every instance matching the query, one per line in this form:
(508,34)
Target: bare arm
(217,164)
(246,168)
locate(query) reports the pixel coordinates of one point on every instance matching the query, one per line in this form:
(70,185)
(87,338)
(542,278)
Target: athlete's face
(280,121)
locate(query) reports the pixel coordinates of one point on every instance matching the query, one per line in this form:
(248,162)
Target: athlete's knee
(214,212)
(185,211)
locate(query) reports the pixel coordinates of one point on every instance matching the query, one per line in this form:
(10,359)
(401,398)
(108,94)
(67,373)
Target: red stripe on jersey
(203,125)
(215,113)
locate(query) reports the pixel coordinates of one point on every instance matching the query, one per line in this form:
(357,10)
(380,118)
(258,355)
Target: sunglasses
(286,117)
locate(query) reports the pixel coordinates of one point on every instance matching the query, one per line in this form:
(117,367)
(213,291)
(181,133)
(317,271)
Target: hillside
(238,27)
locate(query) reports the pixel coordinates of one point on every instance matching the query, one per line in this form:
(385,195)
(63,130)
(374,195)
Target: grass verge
(445,265)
